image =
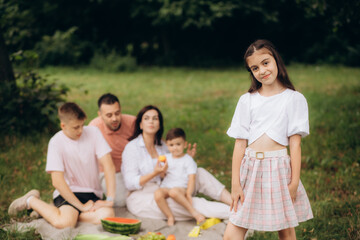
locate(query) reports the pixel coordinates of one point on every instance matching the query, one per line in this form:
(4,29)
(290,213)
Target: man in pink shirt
(74,154)
(116,129)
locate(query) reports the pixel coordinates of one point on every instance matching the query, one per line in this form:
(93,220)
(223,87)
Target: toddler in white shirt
(179,181)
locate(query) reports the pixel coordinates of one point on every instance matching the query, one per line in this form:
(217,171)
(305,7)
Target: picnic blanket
(180,229)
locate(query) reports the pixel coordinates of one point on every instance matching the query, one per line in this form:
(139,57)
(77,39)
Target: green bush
(30,105)
(113,62)
(333,50)
(63,48)
(25,59)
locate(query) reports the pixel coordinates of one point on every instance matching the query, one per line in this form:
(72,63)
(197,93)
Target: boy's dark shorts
(83,198)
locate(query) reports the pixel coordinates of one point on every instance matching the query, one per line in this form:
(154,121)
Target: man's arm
(58,181)
(191,150)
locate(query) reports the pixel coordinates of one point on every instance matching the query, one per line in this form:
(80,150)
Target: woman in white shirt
(141,171)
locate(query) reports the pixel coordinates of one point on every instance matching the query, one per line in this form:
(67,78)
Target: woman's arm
(295,158)
(58,181)
(236,190)
(158,169)
(132,159)
(130,168)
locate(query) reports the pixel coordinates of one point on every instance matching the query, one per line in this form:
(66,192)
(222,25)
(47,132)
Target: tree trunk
(6,70)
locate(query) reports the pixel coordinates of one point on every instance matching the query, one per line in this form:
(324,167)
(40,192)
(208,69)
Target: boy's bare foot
(198,217)
(171,221)
(20,204)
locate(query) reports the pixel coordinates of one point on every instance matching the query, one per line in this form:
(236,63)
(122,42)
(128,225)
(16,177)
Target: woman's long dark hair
(282,73)
(138,131)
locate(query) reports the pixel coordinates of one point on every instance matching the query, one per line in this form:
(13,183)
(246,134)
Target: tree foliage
(183,13)
(187,32)
(31,106)
(28,103)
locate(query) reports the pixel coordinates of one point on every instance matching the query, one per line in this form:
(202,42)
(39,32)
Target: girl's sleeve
(298,115)
(130,168)
(240,123)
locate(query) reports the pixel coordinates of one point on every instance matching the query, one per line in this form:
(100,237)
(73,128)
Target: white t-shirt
(279,116)
(78,159)
(177,174)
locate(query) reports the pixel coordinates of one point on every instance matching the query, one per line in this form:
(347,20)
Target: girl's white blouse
(279,116)
(137,162)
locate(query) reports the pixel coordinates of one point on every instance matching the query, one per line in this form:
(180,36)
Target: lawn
(202,101)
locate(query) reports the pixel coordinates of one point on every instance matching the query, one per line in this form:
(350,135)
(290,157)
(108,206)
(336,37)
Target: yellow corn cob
(194,232)
(209,223)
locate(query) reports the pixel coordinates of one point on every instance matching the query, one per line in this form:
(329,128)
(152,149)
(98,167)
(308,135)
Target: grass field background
(202,101)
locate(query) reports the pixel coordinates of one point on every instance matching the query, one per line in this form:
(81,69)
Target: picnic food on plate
(171,237)
(123,226)
(100,237)
(152,236)
(162,158)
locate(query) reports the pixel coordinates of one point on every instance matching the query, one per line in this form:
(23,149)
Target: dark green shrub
(30,105)
(114,62)
(27,59)
(333,50)
(63,48)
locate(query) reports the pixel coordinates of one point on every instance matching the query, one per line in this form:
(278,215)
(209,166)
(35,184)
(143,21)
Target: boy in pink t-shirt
(72,160)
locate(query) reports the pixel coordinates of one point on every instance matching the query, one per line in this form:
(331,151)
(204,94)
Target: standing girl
(267,194)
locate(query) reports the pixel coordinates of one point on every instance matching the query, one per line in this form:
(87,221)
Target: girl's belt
(269,154)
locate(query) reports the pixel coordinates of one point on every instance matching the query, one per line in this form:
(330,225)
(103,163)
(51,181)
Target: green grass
(202,101)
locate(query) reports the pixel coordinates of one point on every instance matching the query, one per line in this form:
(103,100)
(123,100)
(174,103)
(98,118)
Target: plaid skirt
(267,202)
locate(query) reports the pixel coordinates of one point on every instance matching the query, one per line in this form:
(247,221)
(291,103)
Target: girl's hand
(292,190)
(191,150)
(236,195)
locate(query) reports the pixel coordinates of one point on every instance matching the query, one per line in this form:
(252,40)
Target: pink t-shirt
(78,159)
(116,139)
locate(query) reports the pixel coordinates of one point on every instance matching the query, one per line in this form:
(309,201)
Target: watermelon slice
(123,226)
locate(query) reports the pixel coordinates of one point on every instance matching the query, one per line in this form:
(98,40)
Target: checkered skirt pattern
(267,204)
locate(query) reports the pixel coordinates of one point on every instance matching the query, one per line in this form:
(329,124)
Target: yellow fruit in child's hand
(162,158)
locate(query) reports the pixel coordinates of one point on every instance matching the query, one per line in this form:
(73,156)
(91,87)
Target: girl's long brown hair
(282,73)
